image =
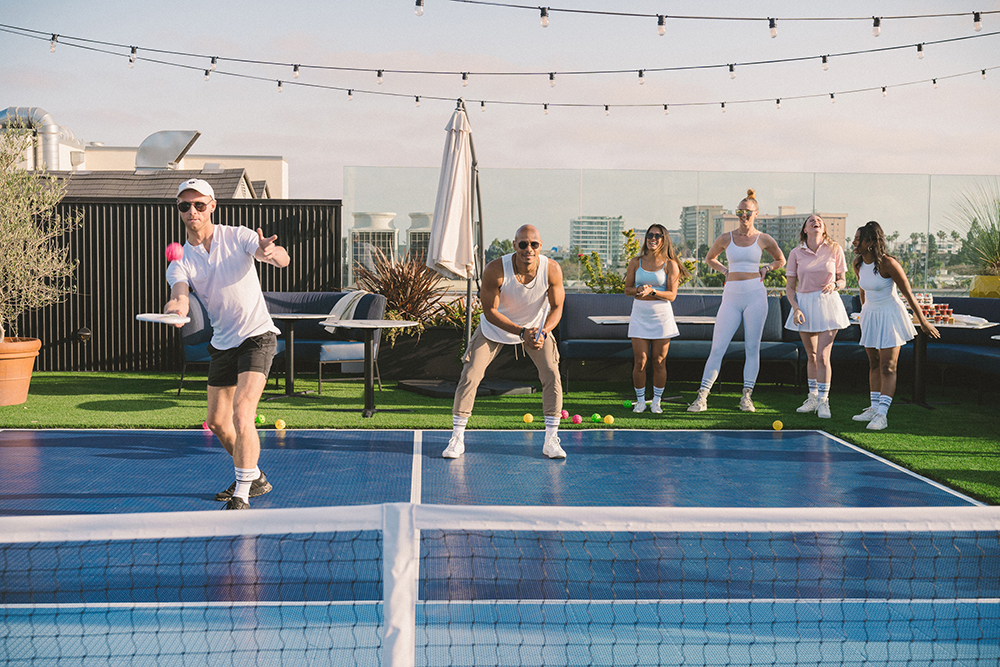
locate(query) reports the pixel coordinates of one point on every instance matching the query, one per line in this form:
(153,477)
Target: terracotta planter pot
(17,360)
(985,286)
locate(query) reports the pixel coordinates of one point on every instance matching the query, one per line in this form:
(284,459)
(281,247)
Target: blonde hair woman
(744,299)
(652,278)
(816,271)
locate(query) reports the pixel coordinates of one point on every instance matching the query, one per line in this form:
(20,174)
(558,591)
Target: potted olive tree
(979,211)
(35,270)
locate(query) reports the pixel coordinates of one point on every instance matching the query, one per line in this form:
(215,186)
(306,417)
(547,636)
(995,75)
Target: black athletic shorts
(253,354)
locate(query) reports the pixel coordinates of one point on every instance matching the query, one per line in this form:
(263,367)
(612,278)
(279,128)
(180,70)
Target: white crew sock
(657,392)
(458,427)
(813,386)
(747,385)
(875,398)
(551,425)
(244,478)
(883,404)
(640,394)
(824,390)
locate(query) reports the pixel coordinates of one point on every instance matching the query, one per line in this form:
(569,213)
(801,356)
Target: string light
(215,61)
(773,25)
(666,110)
(552,79)
(833,100)
(379,77)
(607,110)
(723,107)
(920,51)
(642,78)
(826,63)
(935,83)
(544,16)
(207,73)
(977,21)
(546,108)
(279,87)
(984,75)
(419,10)
(661,25)
(732,71)
(295,71)
(777,103)
(131,58)
(884,91)
(350,94)
(465,78)
(416,99)
(52,44)
(876,26)
(482,107)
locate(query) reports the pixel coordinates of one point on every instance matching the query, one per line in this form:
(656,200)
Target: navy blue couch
(312,341)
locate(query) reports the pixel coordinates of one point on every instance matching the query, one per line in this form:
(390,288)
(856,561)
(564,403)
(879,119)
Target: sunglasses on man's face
(653,236)
(744,212)
(185,206)
(523,245)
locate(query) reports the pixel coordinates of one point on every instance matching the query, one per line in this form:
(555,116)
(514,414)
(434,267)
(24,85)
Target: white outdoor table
(369,327)
(625,319)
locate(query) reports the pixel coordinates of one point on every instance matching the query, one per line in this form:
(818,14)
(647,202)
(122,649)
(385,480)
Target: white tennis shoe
(552,449)
(655,407)
(701,403)
(456,447)
(866,414)
(812,402)
(640,406)
(823,409)
(878,422)
(746,402)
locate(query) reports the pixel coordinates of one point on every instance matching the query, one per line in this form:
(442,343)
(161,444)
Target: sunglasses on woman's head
(653,235)
(523,245)
(185,206)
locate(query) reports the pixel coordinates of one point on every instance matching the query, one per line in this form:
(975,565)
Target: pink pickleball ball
(175,251)
(564,415)
(577,419)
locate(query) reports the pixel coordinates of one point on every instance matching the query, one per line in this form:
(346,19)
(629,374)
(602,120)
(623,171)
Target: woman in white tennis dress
(885,324)
(652,278)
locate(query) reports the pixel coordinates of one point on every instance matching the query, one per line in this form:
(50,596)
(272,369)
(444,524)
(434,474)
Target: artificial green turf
(957,444)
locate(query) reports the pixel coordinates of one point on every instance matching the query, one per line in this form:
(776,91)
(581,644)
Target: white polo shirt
(226,281)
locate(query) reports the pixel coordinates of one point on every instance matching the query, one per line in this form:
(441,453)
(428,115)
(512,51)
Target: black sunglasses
(524,244)
(185,206)
(654,235)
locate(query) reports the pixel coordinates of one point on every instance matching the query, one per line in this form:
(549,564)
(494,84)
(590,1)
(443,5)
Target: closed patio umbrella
(452,247)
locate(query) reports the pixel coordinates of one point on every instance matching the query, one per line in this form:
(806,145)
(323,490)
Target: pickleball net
(402,584)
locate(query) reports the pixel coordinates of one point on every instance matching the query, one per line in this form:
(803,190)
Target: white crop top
(743,260)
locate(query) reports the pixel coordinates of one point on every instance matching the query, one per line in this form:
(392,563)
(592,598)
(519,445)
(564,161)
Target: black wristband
(521,332)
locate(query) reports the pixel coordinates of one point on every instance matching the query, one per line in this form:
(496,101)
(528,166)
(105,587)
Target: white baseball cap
(197,185)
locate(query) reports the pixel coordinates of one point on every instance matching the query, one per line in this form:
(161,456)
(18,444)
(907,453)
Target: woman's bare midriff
(742,276)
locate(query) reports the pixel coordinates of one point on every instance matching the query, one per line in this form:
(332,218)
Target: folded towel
(971,320)
(345,307)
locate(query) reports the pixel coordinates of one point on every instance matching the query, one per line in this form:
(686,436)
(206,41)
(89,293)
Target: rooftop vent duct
(164,150)
(44,126)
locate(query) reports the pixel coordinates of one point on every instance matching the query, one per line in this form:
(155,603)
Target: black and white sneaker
(258,487)
(237,503)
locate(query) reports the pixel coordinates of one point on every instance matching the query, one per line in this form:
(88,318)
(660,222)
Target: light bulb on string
(732,71)
(977,21)
(379,77)
(131,58)
(545,107)
(482,106)
(215,61)
(723,107)
(826,63)
(279,87)
(52,44)
(833,99)
(920,51)
(416,98)
(544,16)
(465,78)
(419,9)
(295,71)
(984,75)
(666,110)
(876,26)
(773,25)
(884,91)
(661,25)
(642,77)
(777,103)
(552,79)
(207,73)
(934,81)
(350,94)
(607,110)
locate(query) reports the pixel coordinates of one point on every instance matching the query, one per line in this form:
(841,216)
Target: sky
(914,129)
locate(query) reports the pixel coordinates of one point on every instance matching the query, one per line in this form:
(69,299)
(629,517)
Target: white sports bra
(743,260)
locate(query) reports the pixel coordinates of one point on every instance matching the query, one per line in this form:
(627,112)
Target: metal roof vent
(164,150)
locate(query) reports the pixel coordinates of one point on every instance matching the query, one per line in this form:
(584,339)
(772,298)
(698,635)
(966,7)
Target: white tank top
(743,260)
(524,305)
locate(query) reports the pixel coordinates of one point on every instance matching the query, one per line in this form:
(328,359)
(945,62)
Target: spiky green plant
(411,289)
(978,210)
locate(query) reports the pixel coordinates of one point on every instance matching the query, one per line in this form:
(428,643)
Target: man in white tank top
(522,297)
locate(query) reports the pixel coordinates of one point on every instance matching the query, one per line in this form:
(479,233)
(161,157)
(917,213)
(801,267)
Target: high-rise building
(599,233)
(696,224)
(785,226)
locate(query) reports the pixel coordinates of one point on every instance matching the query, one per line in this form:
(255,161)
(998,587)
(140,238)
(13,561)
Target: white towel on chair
(345,307)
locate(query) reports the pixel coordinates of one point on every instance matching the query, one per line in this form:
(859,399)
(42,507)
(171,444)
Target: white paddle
(163,318)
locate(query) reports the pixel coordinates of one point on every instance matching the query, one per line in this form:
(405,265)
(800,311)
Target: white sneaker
(655,407)
(640,406)
(812,402)
(866,415)
(878,422)
(701,403)
(746,403)
(456,447)
(552,449)
(823,409)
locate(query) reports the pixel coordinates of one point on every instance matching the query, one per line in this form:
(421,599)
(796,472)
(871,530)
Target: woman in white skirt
(885,324)
(652,278)
(816,271)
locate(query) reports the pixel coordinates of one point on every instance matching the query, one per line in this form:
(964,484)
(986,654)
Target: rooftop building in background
(785,226)
(598,233)
(696,224)
(372,233)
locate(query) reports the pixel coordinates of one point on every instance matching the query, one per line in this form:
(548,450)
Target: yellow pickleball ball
(528,418)
(280,424)
(609,419)
(777,425)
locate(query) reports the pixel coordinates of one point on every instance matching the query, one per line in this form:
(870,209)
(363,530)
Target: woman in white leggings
(744,299)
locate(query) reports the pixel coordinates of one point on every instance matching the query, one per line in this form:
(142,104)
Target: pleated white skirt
(823,312)
(885,323)
(652,320)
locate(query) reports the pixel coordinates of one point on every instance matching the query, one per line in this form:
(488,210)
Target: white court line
(415,471)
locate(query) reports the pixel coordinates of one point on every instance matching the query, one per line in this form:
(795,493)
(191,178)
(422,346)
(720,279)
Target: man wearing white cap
(218,265)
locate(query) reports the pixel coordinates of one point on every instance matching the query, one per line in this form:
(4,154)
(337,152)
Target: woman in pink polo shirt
(816,270)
